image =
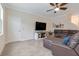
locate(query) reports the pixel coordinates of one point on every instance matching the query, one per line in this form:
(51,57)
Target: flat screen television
(40,26)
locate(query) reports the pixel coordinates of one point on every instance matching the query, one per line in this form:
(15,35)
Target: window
(75,20)
(1,19)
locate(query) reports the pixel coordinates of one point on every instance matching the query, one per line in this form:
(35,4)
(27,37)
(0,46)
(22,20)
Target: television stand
(40,35)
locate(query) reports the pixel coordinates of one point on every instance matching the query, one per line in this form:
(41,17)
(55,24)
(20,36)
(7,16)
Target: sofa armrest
(47,43)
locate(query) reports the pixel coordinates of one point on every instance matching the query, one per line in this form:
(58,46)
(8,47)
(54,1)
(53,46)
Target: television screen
(40,26)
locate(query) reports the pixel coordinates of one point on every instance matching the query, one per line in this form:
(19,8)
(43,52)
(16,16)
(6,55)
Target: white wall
(21,25)
(66,20)
(3,36)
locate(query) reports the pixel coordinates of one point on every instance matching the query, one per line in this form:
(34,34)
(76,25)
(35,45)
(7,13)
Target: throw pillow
(66,40)
(74,40)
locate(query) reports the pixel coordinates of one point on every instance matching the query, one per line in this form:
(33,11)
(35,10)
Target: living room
(20,25)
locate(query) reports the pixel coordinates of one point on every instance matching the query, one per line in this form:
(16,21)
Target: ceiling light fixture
(57,9)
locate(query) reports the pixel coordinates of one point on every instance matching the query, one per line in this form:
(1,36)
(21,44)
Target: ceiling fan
(57,7)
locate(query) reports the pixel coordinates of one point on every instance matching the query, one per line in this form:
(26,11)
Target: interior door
(15,28)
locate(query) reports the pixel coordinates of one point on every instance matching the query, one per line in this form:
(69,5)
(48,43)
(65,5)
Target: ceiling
(40,9)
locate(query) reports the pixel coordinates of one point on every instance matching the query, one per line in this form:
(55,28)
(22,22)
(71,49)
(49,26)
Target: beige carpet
(26,48)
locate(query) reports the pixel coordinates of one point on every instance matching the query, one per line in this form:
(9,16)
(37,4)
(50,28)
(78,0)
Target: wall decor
(58,25)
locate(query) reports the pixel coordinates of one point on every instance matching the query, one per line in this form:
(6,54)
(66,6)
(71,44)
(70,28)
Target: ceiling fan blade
(52,4)
(62,4)
(49,10)
(64,8)
(56,4)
